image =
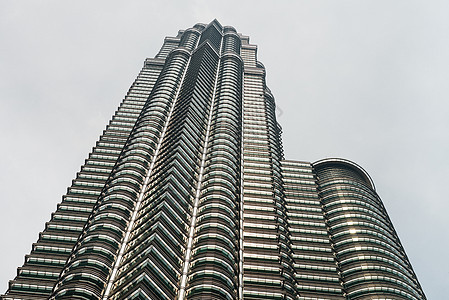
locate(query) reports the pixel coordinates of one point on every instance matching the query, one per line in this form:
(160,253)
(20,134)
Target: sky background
(362,80)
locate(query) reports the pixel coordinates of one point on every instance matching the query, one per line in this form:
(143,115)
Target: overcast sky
(362,80)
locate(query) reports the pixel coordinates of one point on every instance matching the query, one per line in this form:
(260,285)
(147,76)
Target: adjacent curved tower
(187,195)
(368,252)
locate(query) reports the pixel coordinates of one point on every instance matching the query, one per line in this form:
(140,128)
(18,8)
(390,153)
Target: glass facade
(187,195)
(369,254)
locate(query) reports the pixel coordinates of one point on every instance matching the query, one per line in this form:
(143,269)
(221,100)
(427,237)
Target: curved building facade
(187,195)
(369,254)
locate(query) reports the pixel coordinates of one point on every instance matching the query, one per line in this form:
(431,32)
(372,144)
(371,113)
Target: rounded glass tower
(369,254)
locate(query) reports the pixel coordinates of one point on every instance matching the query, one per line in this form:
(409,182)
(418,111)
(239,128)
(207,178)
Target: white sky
(362,80)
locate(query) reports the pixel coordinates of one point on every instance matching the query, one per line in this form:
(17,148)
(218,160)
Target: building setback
(187,195)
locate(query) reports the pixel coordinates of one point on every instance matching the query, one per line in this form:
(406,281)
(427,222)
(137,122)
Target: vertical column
(267,265)
(212,38)
(283,227)
(158,251)
(214,268)
(315,265)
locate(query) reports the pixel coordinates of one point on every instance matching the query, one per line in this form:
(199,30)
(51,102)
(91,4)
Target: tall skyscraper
(187,195)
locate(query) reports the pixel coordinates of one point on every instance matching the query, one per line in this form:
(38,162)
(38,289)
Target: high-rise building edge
(187,195)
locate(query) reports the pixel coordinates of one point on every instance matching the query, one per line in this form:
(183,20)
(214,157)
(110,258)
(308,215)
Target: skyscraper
(187,195)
